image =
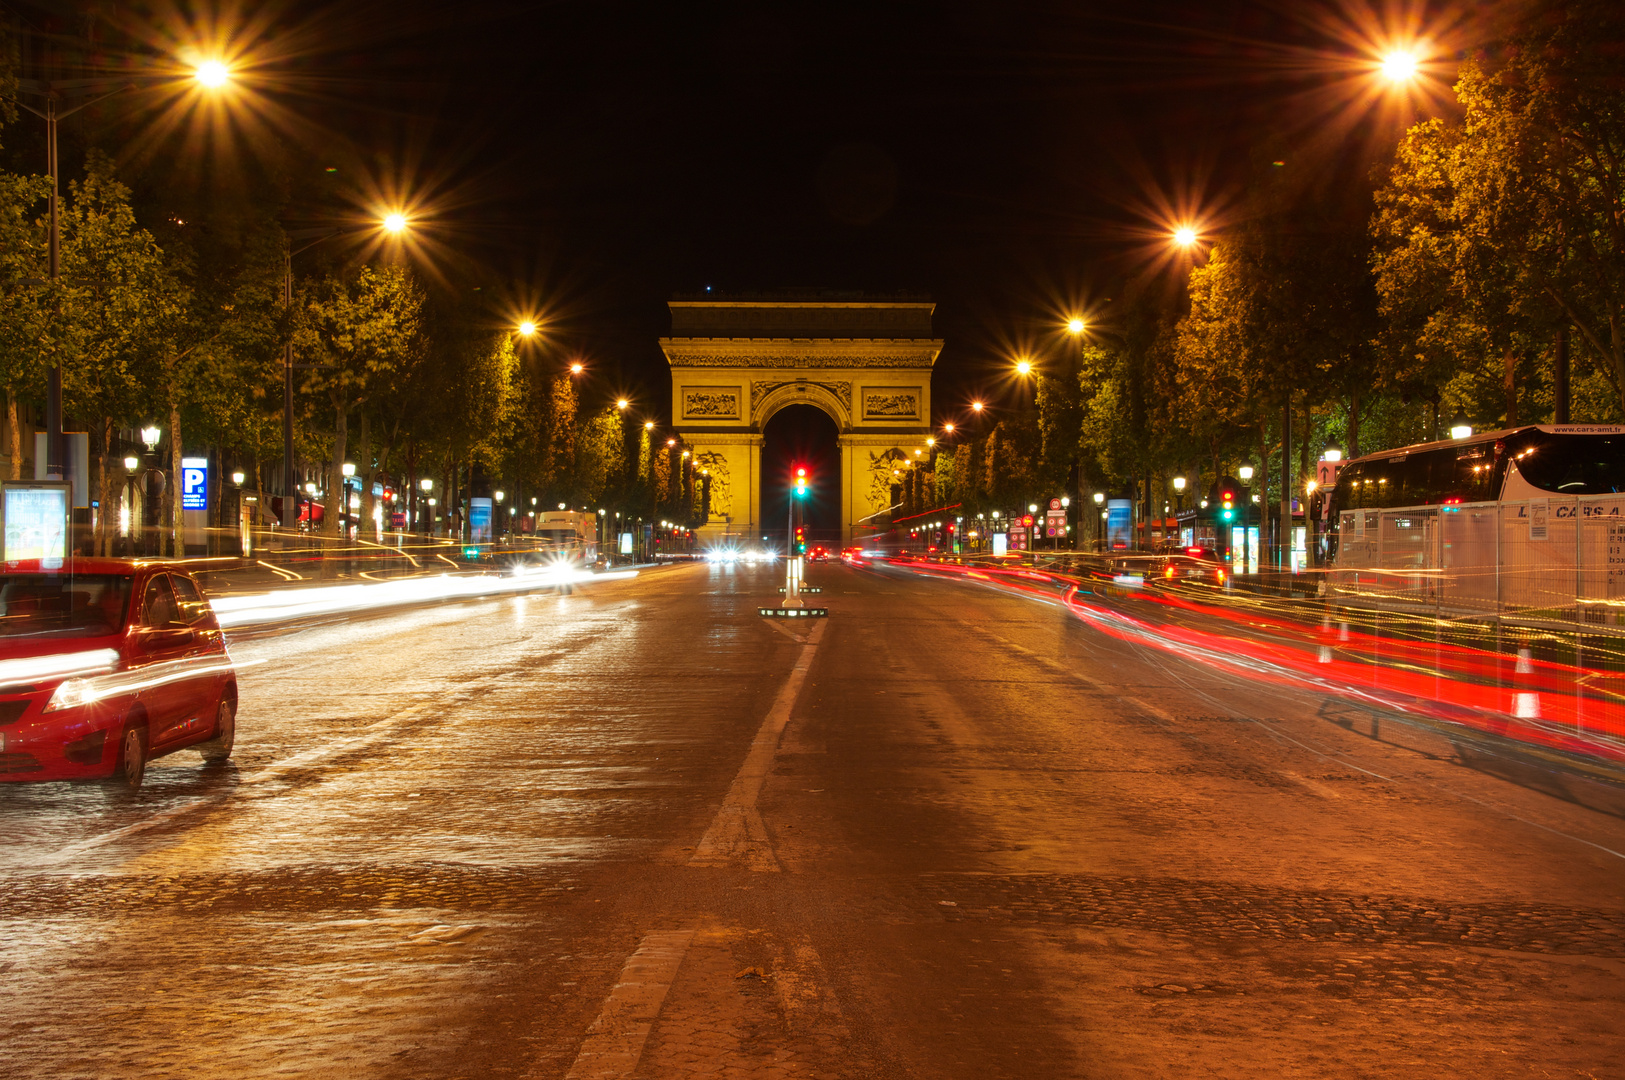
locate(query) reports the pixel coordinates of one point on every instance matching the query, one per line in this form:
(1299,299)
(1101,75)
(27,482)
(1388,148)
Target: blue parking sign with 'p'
(194,483)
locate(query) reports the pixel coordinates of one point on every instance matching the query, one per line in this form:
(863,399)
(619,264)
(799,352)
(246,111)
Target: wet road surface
(639,831)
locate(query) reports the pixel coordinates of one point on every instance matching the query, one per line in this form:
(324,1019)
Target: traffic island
(793,612)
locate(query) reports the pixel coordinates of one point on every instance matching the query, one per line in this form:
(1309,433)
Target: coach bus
(1526,522)
(569,533)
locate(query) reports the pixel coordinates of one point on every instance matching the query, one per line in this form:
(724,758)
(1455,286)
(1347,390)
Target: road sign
(194,483)
(1054,505)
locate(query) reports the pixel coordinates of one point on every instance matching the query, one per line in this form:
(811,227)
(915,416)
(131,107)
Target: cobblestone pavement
(639,831)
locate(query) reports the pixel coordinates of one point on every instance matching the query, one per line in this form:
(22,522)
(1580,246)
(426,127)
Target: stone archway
(867,363)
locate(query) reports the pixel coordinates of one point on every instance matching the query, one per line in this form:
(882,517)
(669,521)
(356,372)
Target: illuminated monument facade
(734,363)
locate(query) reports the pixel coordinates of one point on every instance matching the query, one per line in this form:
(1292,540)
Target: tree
(556,472)
(117,306)
(1501,227)
(26,309)
(601,450)
(356,330)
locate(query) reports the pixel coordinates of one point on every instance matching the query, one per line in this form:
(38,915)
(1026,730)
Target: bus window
(1570,464)
(1382,482)
(1475,477)
(1424,475)
(1346,495)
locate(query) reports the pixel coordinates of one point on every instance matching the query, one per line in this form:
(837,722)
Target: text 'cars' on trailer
(1526,522)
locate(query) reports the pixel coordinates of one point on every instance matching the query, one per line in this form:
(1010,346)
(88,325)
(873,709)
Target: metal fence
(1558,559)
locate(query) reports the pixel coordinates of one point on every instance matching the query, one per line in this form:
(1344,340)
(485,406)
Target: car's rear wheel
(225,733)
(132,759)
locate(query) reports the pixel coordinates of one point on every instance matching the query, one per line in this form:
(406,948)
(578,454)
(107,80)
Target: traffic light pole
(792,574)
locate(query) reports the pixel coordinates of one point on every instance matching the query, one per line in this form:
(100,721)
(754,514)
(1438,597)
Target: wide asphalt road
(640,831)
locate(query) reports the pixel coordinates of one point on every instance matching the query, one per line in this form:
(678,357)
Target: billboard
(35,523)
(479,520)
(1119,524)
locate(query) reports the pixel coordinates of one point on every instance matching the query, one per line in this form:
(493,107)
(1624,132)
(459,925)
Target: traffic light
(1227,504)
(801,540)
(801,481)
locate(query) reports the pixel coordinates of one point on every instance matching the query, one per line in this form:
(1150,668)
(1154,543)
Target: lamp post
(210,74)
(348,471)
(132,466)
(426,485)
(152,483)
(393,223)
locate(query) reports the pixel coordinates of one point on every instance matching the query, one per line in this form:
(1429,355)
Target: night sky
(1011,160)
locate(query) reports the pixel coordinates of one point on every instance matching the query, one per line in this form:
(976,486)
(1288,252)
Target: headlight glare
(72,694)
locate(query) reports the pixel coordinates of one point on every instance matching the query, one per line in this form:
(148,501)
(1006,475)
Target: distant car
(1193,565)
(1132,570)
(106,664)
(818,554)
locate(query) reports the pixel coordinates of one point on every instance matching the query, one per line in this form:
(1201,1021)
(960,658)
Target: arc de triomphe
(734,363)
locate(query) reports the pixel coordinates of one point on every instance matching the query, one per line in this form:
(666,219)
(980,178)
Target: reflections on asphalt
(953,832)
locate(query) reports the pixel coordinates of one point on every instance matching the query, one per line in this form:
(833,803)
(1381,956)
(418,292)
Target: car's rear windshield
(62,603)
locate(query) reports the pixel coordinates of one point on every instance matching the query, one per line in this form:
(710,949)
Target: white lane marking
(370,734)
(615,1041)
(809,1006)
(737,835)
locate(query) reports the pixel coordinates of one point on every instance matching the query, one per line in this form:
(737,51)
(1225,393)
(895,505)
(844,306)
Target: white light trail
(32,669)
(235,612)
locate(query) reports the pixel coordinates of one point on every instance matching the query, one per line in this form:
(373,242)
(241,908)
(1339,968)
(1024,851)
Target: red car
(106,664)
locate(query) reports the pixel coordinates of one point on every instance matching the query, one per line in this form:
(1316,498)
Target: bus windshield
(1570,464)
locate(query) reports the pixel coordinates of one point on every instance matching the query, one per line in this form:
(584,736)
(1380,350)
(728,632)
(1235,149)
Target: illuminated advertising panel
(479,520)
(1119,524)
(35,523)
